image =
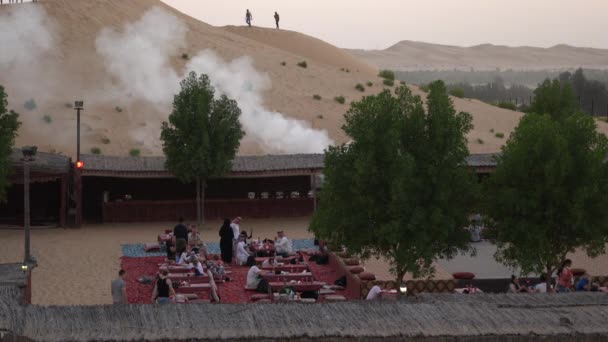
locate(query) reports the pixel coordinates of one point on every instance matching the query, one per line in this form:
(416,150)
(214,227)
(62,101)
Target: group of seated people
(283,246)
(563,281)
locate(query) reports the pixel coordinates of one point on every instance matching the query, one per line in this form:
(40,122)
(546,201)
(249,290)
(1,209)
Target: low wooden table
(194,288)
(298,287)
(285,278)
(297,268)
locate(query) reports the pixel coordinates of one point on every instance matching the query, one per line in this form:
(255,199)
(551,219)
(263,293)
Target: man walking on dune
(276,19)
(248,18)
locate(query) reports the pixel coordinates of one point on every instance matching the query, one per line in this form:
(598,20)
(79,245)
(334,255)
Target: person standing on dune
(276,19)
(248,18)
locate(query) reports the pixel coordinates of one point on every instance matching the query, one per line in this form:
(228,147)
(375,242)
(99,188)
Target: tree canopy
(9,125)
(548,194)
(203,134)
(401,189)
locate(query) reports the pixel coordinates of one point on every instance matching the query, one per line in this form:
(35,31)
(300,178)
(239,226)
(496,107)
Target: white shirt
(542,288)
(182,258)
(374,293)
(252,277)
(236,229)
(283,245)
(241,253)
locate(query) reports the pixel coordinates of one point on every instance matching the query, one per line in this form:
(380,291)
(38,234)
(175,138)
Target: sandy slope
(73,69)
(410,55)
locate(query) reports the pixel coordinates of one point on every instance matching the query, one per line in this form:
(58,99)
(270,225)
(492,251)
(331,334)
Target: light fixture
(24,268)
(403,289)
(79,164)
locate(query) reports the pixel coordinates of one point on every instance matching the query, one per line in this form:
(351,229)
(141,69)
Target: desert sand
(412,55)
(75,266)
(73,69)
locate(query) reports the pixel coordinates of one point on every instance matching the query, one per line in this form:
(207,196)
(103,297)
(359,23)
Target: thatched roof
(241,164)
(477,160)
(49,163)
(433,317)
(97,164)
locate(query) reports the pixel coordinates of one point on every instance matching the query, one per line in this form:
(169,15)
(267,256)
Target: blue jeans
(163,300)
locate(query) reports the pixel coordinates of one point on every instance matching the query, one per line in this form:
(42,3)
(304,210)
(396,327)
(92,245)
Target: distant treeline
(592,94)
(527,78)
(495,92)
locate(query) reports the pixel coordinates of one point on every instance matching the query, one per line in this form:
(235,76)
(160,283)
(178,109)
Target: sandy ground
(75,266)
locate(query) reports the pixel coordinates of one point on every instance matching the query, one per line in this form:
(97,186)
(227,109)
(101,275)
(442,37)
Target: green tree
(554,98)
(401,189)
(547,196)
(202,136)
(9,125)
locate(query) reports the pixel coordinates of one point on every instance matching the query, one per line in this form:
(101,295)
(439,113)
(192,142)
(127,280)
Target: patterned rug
(136,250)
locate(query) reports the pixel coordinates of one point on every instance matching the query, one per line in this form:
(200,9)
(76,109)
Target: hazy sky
(377,24)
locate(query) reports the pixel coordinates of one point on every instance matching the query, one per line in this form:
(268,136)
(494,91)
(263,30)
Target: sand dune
(410,55)
(116,120)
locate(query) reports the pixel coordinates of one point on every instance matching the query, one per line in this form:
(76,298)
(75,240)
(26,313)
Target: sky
(378,24)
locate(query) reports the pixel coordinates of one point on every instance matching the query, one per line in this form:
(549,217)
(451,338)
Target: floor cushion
(152,247)
(367,276)
(356,269)
(463,275)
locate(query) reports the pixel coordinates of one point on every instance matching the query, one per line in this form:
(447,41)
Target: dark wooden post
(78,193)
(62,207)
(26,207)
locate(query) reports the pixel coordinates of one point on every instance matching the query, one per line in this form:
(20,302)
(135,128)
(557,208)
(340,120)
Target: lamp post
(28,155)
(78,106)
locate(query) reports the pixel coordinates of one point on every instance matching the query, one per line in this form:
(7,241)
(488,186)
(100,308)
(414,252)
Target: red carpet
(230,292)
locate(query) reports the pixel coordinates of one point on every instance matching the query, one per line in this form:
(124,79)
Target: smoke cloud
(139,57)
(136,75)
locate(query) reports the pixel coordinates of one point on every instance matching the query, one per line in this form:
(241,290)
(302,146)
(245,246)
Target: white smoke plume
(27,41)
(24,36)
(139,58)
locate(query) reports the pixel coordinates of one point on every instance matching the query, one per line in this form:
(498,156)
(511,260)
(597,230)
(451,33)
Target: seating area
(289,279)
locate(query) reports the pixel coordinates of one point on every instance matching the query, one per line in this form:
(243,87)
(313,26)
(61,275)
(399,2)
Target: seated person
(242,254)
(253,275)
(374,293)
(196,265)
(182,258)
(163,289)
(171,253)
(216,266)
(283,246)
(170,247)
(515,287)
(585,284)
(542,286)
(270,262)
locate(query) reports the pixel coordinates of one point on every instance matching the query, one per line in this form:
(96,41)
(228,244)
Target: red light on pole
(79,164)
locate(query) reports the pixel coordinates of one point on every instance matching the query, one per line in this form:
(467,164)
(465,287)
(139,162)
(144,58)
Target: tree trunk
(548,278)
(198,200)
(202,220)
(399,281)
